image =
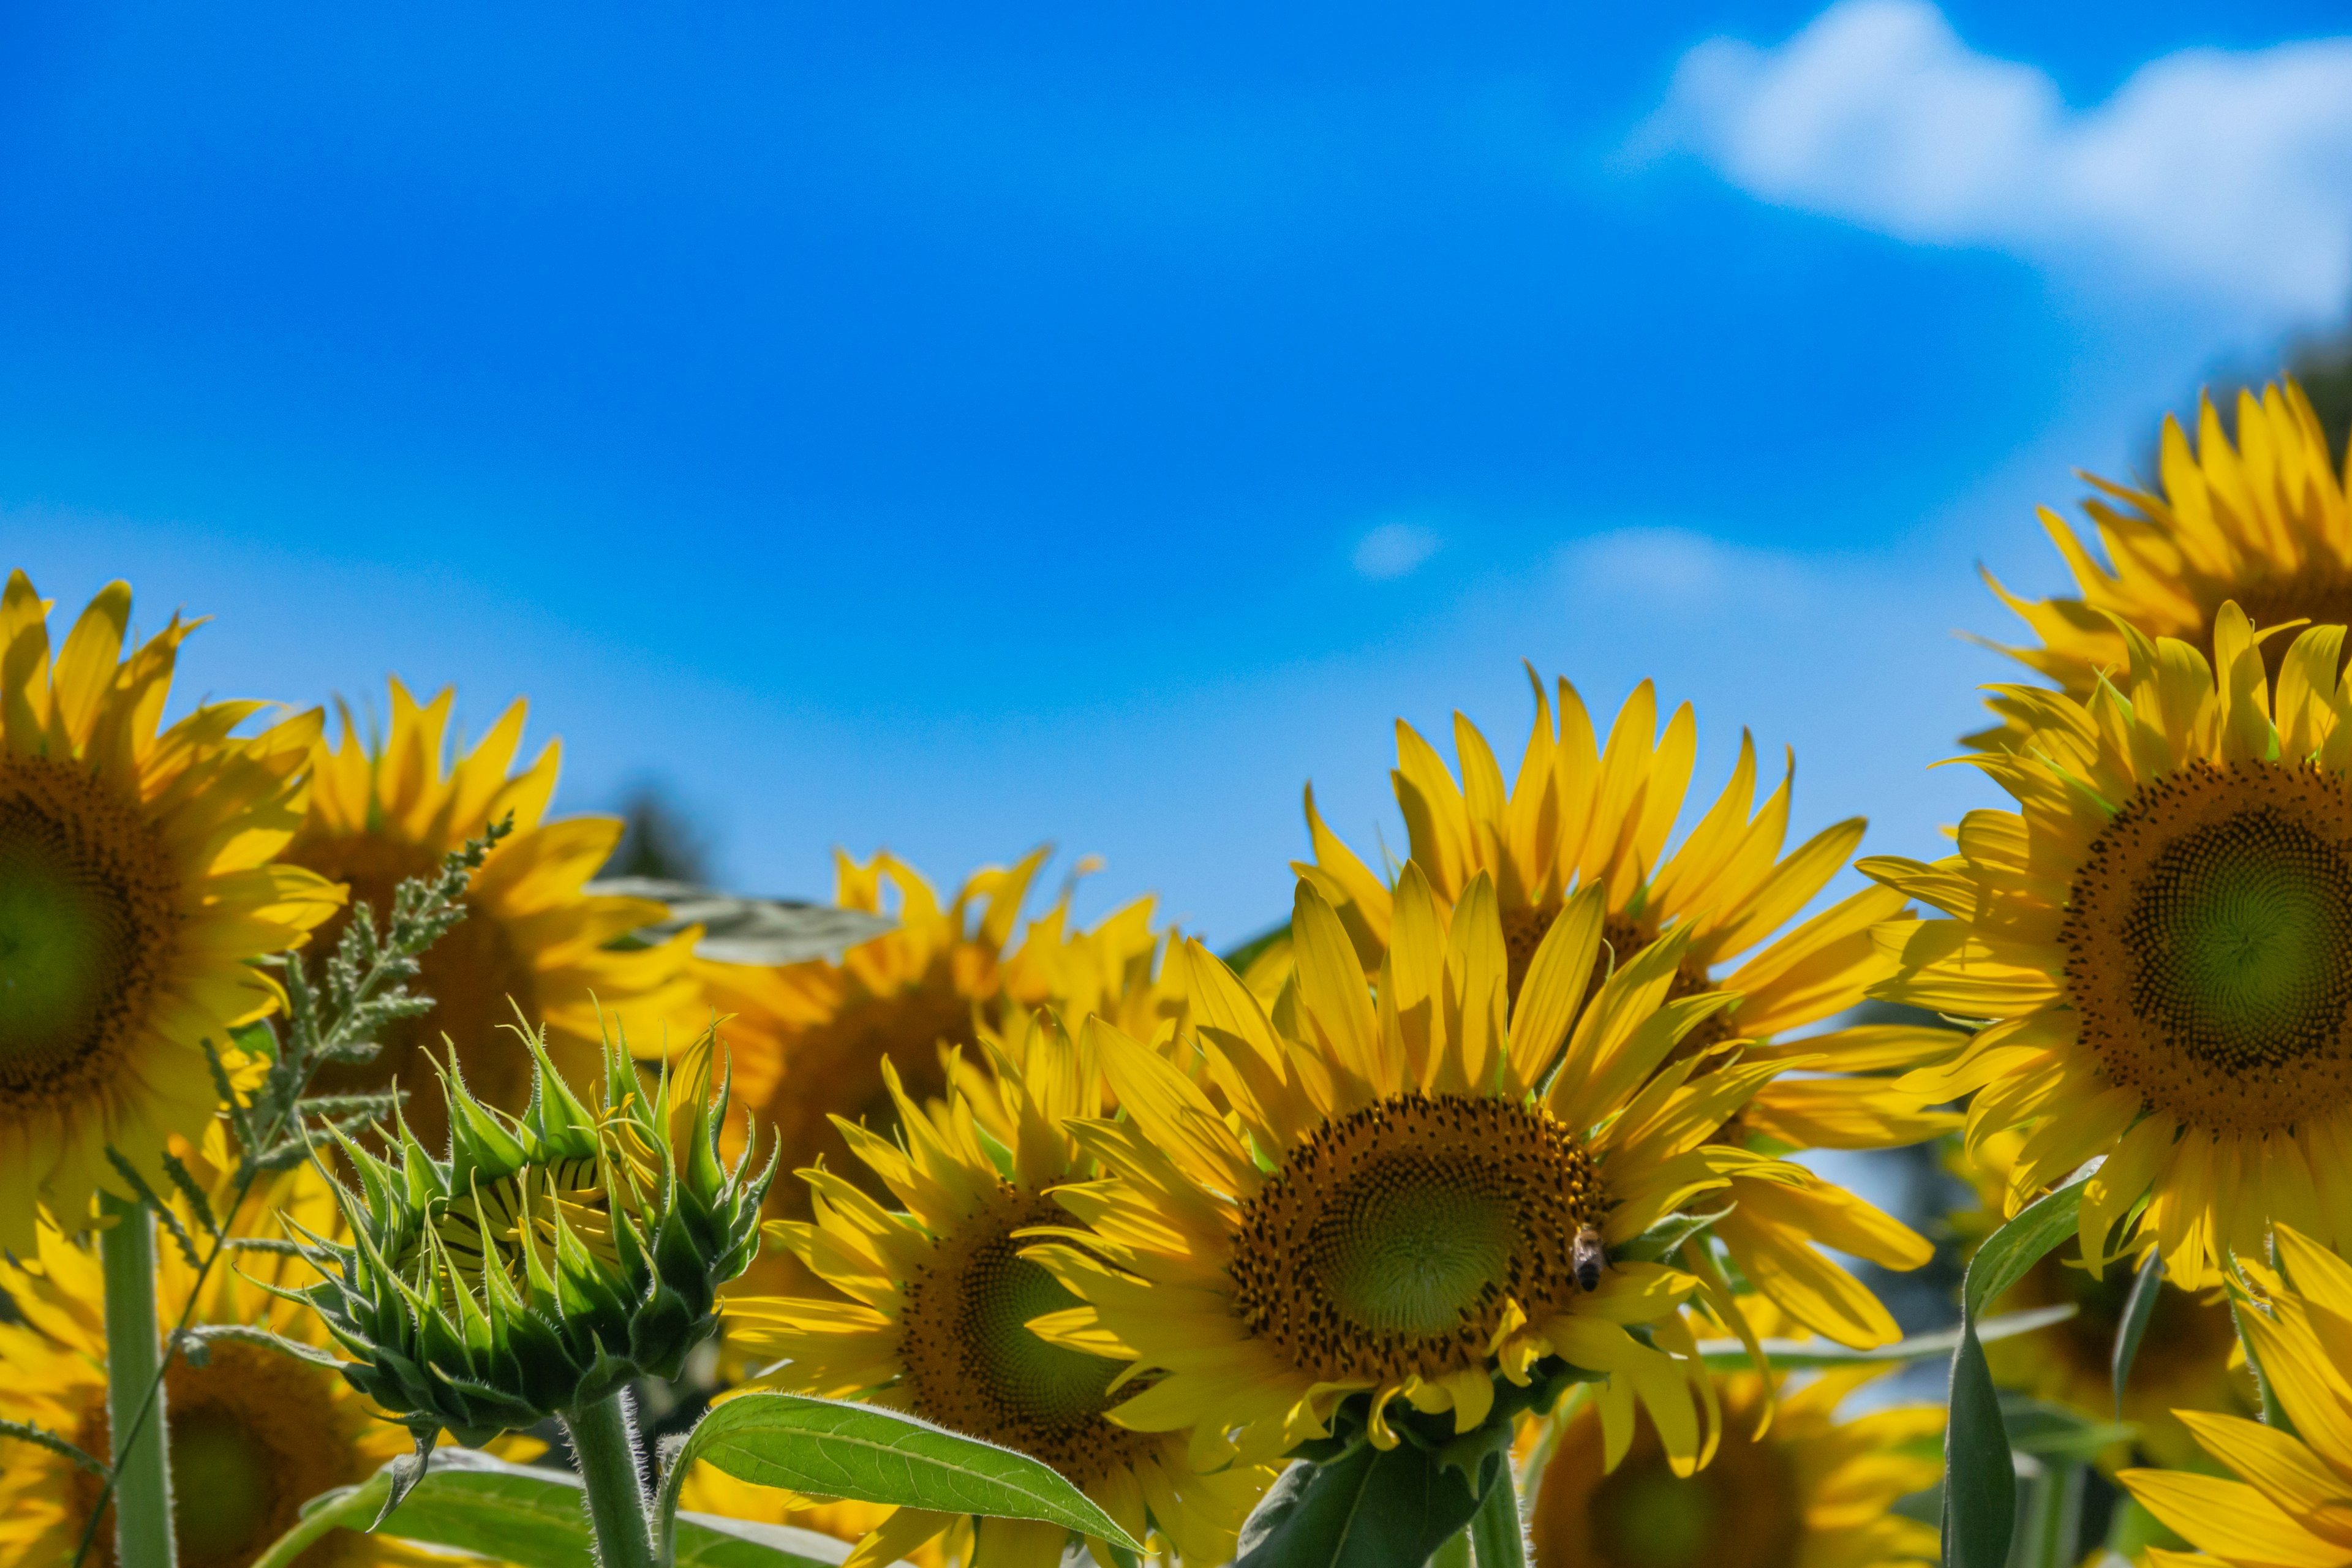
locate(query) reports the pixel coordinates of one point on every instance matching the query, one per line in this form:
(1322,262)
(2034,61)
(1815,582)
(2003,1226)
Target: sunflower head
(934,1307)
(2157,941)
(386,810)
(550,1258)
(1792,1486)
(1427,1193)
(255,1433)
(2262,523)
(136,885)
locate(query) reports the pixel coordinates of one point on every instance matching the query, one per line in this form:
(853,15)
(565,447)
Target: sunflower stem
(604,1445)
(134,1393)
(1496,1532)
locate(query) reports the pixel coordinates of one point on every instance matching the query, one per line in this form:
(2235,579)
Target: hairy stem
(1495,1530)
(134,1395)
(604,1444)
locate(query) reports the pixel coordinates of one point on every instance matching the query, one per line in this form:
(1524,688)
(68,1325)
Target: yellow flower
(255,1433)
(530,939)
(2187,1354)
(2291,1506)
(809,1039)
(1398,1202)
(135,887)
(933,1308)
(1807,1490)
(2264,525)
(2162,944)
(1581,817)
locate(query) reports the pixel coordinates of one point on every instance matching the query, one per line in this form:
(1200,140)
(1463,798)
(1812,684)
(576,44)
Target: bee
(1589,1258)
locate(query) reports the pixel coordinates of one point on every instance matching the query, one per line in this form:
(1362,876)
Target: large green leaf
(533,1518)
(1793,1355)
(826,1448)
(1979,1476)
(1368,1507)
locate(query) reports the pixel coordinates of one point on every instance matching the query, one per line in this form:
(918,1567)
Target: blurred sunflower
(2188,1358)
(931,1311)
(1398,1203)
(1579,816)
(135,888)
(2161,945)
(808,1039)
(1807,1491)
(709,1490)
(2263,524)
(255,1433)
(2290,1506)
(530,939)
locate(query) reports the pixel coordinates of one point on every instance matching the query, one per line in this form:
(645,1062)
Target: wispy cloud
(1394,550)
(2225,177)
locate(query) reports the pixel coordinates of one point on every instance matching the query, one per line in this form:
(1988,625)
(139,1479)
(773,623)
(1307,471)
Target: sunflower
(135,887)
(2161,943)
(1408,1197)
(930,1311)
(530,939)
(1580,816)
(2264,524)
(809,1039)
(1807,1491)
(2187,1354)
(255,1433)
(2293,1505)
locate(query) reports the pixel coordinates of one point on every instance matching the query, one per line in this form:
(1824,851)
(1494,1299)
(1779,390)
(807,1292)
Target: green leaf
(1365,1509)
(826,1447)
(1980,1475)
(2138,1308)
(2058,1433)
(534,1519)
(1792,1355)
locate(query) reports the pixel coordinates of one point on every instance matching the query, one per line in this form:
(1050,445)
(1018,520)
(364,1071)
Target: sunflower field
(382,1181)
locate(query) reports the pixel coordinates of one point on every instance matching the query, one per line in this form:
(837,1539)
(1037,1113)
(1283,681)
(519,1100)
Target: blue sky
(956,430)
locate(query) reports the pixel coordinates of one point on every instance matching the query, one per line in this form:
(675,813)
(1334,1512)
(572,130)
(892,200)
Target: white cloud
(2224,176)
(1394,550)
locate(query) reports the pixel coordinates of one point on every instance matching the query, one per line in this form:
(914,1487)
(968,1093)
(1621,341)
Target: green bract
(550,1258)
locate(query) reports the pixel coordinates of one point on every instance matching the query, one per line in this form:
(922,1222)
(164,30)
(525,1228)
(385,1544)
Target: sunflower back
(550,1258)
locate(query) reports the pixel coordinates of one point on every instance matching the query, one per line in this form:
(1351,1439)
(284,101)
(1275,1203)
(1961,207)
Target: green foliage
(1979,1476)
(532,1518)
(828,1448)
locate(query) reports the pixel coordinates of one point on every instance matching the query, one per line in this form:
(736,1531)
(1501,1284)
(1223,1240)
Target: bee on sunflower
(136,885)
(1579,816)
(1426,1189)
(2262,523)
(1808,1490)
(255,1433)
(2288,1500)
(2158,943)
(382,814)
(931,1308)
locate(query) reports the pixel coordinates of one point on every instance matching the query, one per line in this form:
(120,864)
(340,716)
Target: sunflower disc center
(2209,940)
(2241,931)
(976,1367)
(1392,1240)
(88,923)
(1414,1244)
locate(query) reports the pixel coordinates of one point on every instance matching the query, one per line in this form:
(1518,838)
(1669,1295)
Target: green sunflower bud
(550,1258)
